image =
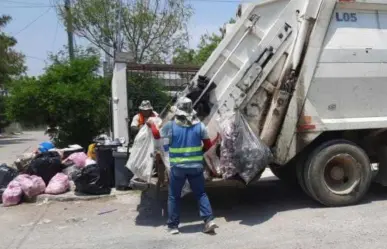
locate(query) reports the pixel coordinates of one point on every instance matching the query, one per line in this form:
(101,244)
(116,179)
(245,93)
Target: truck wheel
(338,173)
(286,173)
(300,169)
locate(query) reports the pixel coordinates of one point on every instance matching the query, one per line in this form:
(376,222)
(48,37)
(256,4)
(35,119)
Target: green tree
(11,62)
(208,43)
(4,122)
(70,95)
(150,29)
(198,56)
(145,87)
(11,66)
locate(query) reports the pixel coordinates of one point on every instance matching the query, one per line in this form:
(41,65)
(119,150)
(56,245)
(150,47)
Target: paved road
(12,146)
(268,216)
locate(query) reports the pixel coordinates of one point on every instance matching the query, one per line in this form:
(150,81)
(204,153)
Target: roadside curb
(71,196)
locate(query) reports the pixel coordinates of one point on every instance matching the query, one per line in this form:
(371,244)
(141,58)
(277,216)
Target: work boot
(210,226)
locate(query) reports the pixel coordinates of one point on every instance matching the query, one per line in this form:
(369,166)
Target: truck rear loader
(310,76)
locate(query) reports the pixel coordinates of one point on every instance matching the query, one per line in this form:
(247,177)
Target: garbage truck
(310,77)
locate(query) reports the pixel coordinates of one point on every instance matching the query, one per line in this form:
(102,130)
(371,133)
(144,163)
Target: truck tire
(300,169)
(338,173)
(286,173)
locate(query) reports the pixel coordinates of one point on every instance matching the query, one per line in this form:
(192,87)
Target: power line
(28,25)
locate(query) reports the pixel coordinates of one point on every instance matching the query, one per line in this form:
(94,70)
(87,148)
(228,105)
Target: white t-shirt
(136,119)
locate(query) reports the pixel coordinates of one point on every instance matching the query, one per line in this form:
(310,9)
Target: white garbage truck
(310,76)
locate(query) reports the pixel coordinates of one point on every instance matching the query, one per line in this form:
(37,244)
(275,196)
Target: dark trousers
(195,177)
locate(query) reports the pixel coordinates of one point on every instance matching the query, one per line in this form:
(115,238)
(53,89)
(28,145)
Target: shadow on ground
(250,206)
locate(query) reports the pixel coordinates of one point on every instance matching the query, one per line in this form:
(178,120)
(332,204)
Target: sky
(39,32)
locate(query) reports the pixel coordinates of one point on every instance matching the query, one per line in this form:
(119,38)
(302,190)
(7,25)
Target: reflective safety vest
(186,146)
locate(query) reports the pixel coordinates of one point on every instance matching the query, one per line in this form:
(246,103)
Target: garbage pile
(50,170)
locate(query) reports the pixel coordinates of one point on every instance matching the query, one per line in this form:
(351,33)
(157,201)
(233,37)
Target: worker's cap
(145,105)
(184,107)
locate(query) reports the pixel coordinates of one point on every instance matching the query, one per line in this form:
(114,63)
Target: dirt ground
(269,215)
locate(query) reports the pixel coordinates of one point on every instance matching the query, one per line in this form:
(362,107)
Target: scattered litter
(76,220)
(107,211)
(23,161)
(28,224)
(45,201)
(45,221)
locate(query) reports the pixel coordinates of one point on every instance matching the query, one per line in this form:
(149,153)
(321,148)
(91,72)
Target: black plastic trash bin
(122,174)
(105,161)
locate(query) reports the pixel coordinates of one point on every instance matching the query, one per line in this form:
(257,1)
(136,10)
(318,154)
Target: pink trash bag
(12,194)
(59,184)
(31,185)
(78,158)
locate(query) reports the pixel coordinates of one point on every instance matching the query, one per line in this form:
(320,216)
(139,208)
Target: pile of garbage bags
(49,170)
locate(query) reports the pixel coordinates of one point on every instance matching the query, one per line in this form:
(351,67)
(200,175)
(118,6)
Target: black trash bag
(46,165)
(7,174)
(92,180)
(1,194)
(71,171)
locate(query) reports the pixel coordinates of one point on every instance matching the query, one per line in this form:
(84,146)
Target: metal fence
(158,83)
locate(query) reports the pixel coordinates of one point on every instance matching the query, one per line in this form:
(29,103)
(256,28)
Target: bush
(70,95)
(145,87)
(4,122)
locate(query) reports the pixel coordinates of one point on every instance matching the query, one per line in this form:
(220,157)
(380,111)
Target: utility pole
(70,36)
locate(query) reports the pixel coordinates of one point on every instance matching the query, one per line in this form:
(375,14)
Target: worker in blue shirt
(188,140)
